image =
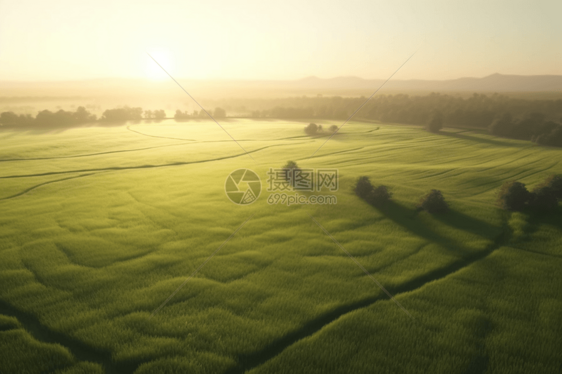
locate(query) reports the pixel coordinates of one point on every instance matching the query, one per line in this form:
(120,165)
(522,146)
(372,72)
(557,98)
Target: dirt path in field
(85,352)
(256,359)
(89,154)
(156,136)
(118,168)
(79,349)
(43,184)
(220,141)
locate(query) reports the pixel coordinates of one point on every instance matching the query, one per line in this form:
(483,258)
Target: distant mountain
(491,83)
(131,89)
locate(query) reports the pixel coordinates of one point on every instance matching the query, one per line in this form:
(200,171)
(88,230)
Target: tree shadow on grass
(461,221)
(536,220)
(553,218)
(480,361)
(495,142)
(405,217)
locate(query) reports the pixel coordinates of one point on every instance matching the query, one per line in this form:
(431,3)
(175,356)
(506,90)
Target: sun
(152,70)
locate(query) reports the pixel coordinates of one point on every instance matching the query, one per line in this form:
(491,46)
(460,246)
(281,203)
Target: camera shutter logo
(243,186)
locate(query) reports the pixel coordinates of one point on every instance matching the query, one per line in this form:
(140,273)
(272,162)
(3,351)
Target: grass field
(99,226)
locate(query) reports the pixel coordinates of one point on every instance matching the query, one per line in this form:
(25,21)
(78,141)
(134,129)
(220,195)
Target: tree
(122,114)
(8,118)
(220,113)
(436,122)
(83,116)
(181,115)
(311,129)
(159,114)
(555,183)
(334,128)
(379,195)
(363,187)
(289,171)
(552,138)
(502,126)
(434,202)
(543,199)
(513,195)
(148,114)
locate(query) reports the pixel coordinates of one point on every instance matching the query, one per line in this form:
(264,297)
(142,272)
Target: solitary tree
(289,171)
(434,202)
(379,195)
(311,129)
(363,187)
(333,128)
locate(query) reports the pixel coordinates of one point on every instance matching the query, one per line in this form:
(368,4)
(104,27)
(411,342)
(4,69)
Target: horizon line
(309,77)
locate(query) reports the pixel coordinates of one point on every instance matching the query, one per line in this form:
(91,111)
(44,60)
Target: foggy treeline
(61,119)
(536,120)
(476,111)
(519,118)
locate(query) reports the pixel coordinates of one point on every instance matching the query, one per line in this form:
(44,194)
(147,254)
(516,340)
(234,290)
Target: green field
(100,225)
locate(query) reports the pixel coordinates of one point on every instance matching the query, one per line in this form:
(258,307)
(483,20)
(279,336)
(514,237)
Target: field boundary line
(200,266)
(361,267)
(89,154)
(43,184)
(156,136)
(136,167)
(257,359)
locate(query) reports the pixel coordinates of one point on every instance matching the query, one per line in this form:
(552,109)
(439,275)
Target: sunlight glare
(152,70)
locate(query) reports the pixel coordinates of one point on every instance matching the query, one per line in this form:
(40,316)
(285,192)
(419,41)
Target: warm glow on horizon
(219,39)
(152,70)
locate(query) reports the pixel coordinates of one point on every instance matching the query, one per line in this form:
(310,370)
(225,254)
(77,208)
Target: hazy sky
(242,39)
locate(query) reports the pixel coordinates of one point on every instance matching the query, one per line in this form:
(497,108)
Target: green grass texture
(99,226)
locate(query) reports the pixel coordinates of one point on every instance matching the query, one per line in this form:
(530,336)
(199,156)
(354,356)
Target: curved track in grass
(43,184)
(79,349)
(89,154)
(256,359)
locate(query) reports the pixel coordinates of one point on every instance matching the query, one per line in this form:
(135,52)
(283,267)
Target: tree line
(478,110)
(217,113)
(536,120)
(63,118)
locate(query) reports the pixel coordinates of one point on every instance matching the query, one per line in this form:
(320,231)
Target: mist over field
(243,96)
(248,187)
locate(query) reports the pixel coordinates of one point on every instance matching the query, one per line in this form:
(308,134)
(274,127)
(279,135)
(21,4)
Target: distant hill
(136,91)
(491,83)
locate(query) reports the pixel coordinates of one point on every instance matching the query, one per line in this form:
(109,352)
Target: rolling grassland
(99,226)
